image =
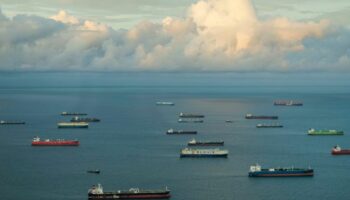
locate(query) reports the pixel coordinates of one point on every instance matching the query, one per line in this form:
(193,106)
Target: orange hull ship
(60,142)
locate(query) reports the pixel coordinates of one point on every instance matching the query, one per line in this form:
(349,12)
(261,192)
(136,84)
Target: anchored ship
(58,142)
(287,103)
(184,115)
(187,152)
(257,171)
(97,193)
(3,122)
(324,132)
(269,126)
(95,171)
(193,142)
(72,125)
(339,151)
(179,132)
(190,121)
(165,103)
(72,113)
(250,116)
(79,119)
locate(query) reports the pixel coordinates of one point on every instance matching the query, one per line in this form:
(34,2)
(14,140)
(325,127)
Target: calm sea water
(131,149)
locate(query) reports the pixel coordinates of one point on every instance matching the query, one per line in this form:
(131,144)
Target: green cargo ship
(324,132)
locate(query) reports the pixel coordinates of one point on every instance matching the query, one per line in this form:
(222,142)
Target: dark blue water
(131,149)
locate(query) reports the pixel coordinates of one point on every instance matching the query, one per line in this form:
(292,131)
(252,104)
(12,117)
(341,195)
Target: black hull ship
(79,119)
(180,132)
(193,142)
(97,193)
(250,116)
(185,115)
(3,122)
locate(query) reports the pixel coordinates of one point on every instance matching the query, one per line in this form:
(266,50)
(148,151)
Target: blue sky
(183,35)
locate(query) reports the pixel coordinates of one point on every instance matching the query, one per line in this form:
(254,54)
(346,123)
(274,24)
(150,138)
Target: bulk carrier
(58,142)
(257,171)
(97,193)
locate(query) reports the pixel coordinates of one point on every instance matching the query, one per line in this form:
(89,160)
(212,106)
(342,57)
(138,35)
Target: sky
(182,35)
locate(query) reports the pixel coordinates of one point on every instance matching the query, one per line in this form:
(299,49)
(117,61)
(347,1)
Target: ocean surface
(131,149)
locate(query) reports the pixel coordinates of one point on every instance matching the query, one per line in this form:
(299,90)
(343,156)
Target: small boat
(97,193)
(250,116)
(184,115)
(199,153)
(165,103)
(3,122)
(339,151)
(269,126)
(193,142)
(96,171)
(257,171)
(179,132)
(72,113)
(324,132)
(72,125)
(190,121)
(79,119)
(58,142)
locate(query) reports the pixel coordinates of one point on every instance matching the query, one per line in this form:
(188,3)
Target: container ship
(257,171)
(250,116)
(72,125)
(193,142)
(339,151)
(72,113)
(269,126)
(79,119)
(324,132)
(184,115)
(190,121)
(287,103)
(97,193)
(179,132)
(3,122)
(58,142)
(199,153)
(165,103)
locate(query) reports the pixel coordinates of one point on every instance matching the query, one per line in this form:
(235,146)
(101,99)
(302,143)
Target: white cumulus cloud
(215,35)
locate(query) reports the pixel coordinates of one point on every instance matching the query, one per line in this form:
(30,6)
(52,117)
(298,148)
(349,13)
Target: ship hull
(206,144)
(182,133)
(203,155)
(325,134)
(128,196)
(299,173)
(67,143)
(341,152)
(263,117)
(269,126)
(190,121)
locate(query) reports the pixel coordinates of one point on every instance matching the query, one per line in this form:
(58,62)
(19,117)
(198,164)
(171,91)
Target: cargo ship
(287,103)
(190,121)
(193,142)
(3,122)
(250,116)
(165,103)
(97,193)
(179,132)
(72,125)
(339,151)
(79,119)
(324,132)
(269,126)
(257,171)
(72,113)
(187,152)
(184,115)
(58,142)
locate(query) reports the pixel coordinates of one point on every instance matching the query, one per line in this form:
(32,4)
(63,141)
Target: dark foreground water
(131,149)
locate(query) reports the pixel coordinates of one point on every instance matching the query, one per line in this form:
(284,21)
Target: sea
(132,150)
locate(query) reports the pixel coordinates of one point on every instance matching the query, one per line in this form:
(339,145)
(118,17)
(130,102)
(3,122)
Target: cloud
(216,35)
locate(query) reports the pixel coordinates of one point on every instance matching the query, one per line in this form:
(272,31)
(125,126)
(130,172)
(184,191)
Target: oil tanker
(97,193)
(250,116)
(179,132)
(269,126)
(3,122)
(339,151)
(257,171)
(59,142)
(72,113)
(324,132)
(189,115)
(193,142)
